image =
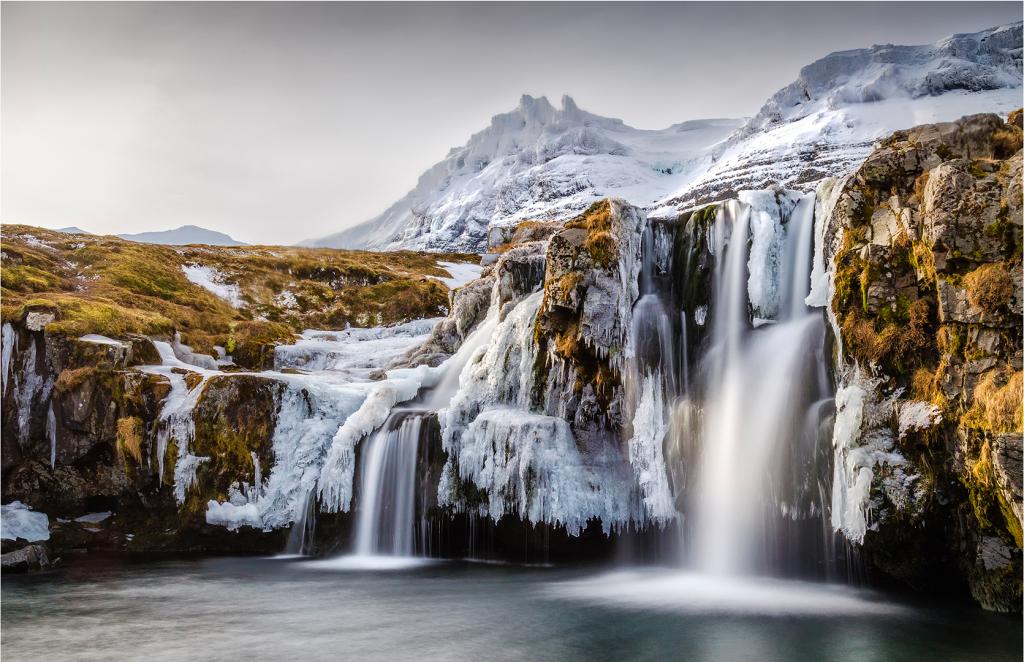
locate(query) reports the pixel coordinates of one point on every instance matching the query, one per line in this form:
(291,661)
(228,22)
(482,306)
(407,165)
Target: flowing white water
(386,517)
(755,394)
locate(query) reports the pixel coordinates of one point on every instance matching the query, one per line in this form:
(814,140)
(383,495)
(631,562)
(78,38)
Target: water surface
(274,609)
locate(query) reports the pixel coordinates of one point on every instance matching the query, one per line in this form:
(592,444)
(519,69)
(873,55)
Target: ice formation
(865,453)
(19,521)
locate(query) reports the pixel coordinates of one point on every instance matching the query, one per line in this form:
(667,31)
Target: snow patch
(460,273)
(213,281)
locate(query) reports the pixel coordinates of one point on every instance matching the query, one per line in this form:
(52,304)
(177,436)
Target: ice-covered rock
(19,521)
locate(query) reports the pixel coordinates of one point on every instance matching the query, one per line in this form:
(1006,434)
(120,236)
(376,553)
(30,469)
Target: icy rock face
(868,471)
(536,162)
(532,425)
(925,300)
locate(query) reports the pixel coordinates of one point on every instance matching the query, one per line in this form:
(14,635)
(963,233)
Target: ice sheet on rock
(494,441)
(214,282)
(185,472)
(94,518)
(233,517)
(101,340)
(646,451)
(400,385)
(32,384)
(917,415)
(9,340)
(335,486)
(354,352)
(826,197)
(309,413)
(19,521)
(460,273)
(768,209)
(175,421)
(865,453)
(529,465)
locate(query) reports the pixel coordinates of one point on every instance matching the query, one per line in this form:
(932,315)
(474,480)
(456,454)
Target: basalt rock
(926,244)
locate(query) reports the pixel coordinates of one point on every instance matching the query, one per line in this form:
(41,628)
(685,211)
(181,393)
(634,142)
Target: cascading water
(760,388)
(386,518)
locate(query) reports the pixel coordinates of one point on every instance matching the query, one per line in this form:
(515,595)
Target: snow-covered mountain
(537,161)
(825,122)
(186,234)
(543,162)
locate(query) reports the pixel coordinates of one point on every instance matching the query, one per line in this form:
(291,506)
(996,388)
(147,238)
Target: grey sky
(278,122)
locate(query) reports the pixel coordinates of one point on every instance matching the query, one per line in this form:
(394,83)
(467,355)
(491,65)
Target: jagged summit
(535,161)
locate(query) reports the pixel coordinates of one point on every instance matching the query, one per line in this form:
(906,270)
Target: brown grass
(130,434)
(998,399)
(989,287)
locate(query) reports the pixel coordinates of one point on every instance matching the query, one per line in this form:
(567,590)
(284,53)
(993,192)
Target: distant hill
(73,229)
(186,234)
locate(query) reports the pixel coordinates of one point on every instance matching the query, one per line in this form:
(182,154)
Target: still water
(295,609)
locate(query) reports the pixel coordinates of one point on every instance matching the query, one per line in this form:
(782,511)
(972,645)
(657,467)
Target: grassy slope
(113,287)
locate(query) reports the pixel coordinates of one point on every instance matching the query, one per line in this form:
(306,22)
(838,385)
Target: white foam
(691,593)
(369,562)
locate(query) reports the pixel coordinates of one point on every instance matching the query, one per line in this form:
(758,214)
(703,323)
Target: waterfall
(759,383)
(386,517)
(300,538)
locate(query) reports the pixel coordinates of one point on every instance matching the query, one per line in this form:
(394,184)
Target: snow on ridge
(213,281)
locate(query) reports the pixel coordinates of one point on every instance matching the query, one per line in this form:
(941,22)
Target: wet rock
(26,559)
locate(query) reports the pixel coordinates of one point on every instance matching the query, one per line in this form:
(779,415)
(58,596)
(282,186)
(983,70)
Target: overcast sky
(278,122)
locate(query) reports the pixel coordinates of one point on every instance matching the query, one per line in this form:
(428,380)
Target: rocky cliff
(925,240)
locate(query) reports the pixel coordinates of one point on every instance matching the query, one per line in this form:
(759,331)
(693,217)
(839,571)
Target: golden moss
(130,435)
(602,248)
(599,242)
(1016,118)
(987,501)
(69,380)
(1006,141)
(114,287)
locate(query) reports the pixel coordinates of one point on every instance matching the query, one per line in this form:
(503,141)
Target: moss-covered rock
(927,292)
(234,423)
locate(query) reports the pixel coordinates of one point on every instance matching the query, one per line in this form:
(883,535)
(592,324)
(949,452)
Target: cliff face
(925,240)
